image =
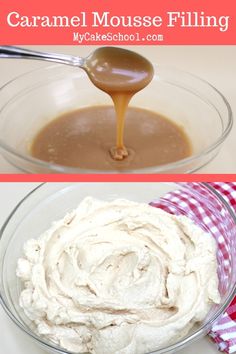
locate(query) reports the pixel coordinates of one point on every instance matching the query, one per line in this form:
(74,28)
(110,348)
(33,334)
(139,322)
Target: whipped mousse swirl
(118,277)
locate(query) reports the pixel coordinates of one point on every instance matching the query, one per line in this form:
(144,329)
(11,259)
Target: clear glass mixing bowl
(32,100)
(49,202)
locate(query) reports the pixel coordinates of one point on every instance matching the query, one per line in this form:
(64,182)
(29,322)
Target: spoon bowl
(115,70)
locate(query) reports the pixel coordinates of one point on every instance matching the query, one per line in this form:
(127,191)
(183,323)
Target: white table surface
(12,340)
(216,64)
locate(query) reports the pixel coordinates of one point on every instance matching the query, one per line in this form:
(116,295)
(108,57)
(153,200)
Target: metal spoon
(109,68)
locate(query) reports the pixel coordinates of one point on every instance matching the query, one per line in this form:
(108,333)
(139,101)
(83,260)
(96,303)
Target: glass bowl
(49,202)
(32,100)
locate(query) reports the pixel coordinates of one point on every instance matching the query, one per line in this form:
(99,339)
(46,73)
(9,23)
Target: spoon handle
(20,53)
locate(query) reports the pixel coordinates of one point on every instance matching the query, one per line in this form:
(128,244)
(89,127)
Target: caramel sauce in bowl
(30,102)
(82,138)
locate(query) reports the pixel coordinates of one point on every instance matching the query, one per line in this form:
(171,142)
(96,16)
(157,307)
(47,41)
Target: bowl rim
(177,345)
(55,168)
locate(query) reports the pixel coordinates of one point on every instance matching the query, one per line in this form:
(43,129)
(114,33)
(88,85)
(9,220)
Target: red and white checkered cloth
(223,331)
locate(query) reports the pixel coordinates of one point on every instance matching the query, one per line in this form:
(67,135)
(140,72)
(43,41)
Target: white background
(216,64)
(12,340)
